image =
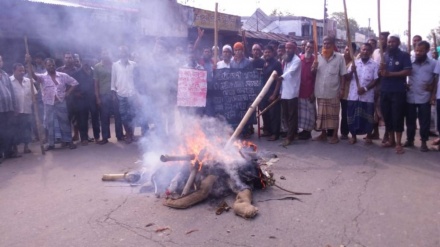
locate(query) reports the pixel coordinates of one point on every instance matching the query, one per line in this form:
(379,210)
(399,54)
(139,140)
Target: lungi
(328,114)
(306,114)
(360,117)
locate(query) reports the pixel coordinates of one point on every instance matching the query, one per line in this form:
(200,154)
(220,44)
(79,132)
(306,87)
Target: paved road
(362,196)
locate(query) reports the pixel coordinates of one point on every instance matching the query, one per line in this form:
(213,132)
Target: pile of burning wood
(185,180)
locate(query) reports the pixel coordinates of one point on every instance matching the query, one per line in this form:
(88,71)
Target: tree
(435,31)
(367,32)
(279,13)
(339,17)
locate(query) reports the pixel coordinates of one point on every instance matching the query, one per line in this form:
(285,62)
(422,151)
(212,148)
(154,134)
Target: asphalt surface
(362,196)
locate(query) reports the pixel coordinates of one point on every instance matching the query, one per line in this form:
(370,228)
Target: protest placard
(192,88)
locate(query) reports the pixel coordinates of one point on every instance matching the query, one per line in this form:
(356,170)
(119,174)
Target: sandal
(103,141)
(286,142)
(352,140)
(273,138)
(399,150)
(72,145)
(50,147)
(320,138)
(266,134)
(388,145)
(368,141)
(333,141)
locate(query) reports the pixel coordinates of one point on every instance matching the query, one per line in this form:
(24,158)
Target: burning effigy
(200,164)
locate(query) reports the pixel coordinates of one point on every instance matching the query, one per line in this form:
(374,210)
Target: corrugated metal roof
(269,36)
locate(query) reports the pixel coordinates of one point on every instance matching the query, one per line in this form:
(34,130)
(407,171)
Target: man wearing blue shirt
(393,91)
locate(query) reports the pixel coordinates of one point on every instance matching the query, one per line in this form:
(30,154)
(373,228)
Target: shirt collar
(427,61)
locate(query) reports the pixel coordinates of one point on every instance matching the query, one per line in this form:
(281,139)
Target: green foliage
(340,19)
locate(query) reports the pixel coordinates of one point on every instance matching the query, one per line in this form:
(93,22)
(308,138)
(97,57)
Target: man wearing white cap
(227,55)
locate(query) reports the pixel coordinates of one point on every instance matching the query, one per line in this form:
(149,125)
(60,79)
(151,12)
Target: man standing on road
(122,85)
(330,70)
(102,74)
(23,101)
(378,117)
(418,98)
(85,103)
(54,86)
(360,104)
(290,82)
(272,117)
(435,99)
(70,69)
(307,102)
(7,109)
(393,74)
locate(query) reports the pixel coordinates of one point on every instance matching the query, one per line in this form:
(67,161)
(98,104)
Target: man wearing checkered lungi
(307,102)
(330,70)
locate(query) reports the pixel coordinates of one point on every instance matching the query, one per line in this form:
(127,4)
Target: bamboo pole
(34,101)
(269,106)
(315,40)
(380,42)
(409,26)
(252,108)
(216,34)
(434,38)
(347,27)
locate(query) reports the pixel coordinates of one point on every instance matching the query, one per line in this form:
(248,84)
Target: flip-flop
(388,145)
(320,138)
(352,141)
(272,138)
(400,150)
(333,141)
(368,141)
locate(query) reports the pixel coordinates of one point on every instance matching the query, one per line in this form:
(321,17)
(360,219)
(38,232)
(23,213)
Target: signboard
(205,19)
(233,91)
(192,88)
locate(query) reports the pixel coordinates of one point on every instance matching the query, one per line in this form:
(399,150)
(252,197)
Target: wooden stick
(243,39)
(34,101)
(252,107)
(191,178)
(216,34)
(315,40)
(409,26)
(347,27)
(380,43)
(269,106)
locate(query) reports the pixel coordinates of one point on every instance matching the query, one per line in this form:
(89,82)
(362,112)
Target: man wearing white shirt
(360,100)
(227,55)
(122,85)
(291,80)
(23,101)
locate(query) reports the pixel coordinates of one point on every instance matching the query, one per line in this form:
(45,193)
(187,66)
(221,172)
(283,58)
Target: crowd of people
(352,92)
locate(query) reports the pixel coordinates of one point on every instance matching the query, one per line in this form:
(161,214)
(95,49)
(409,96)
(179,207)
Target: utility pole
(324,23)
(368,33)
